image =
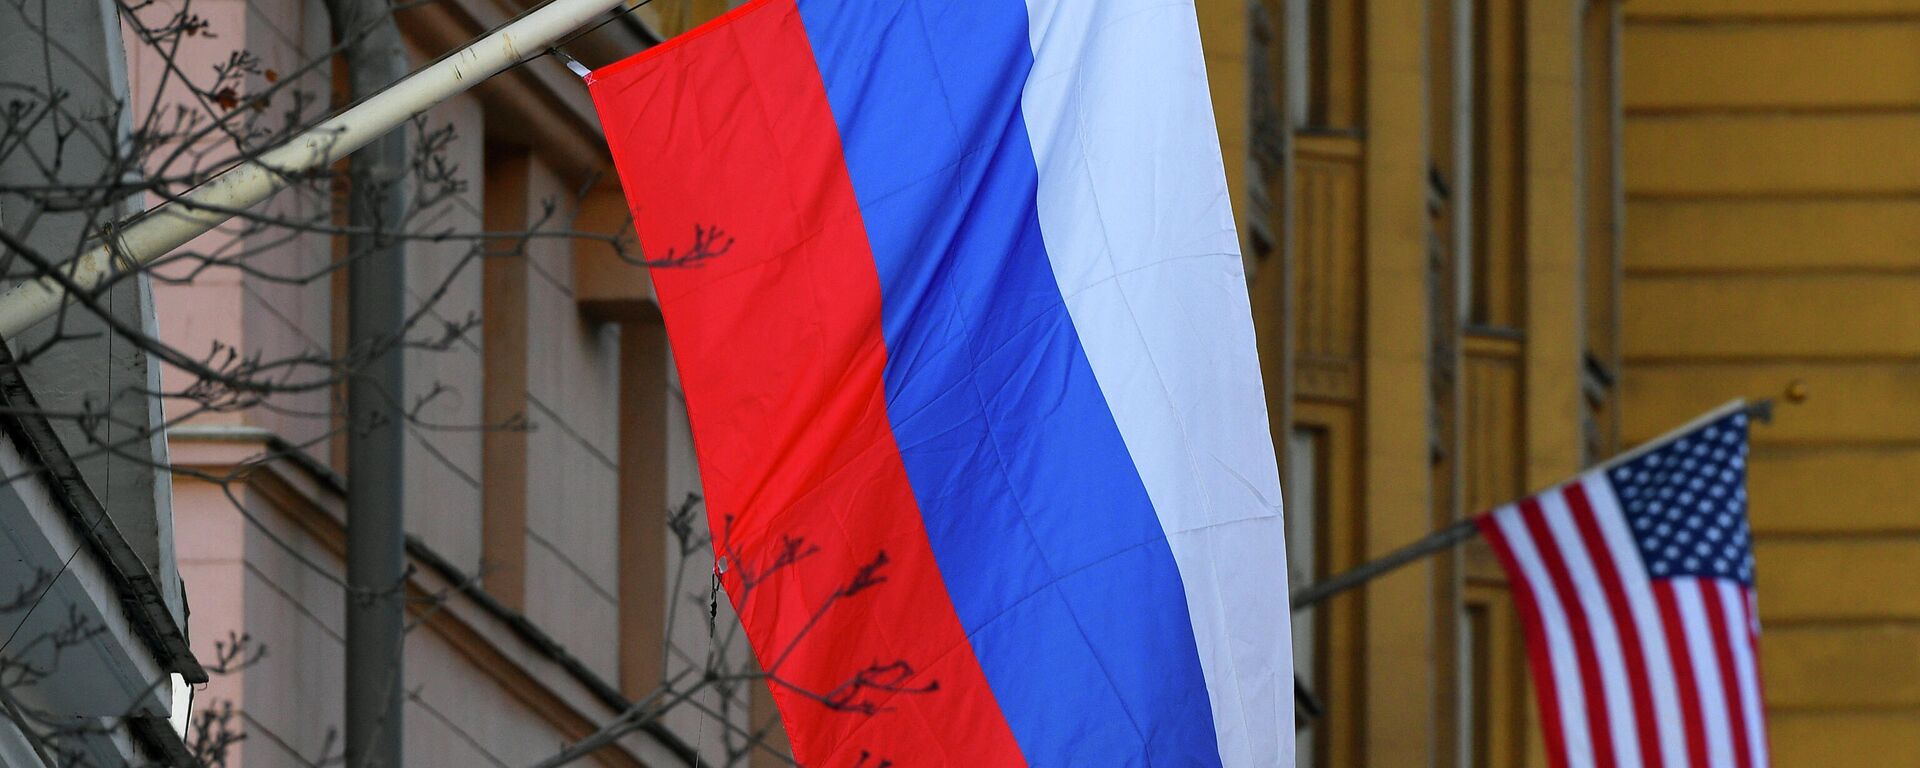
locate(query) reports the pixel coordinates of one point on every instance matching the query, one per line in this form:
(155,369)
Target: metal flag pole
(1445,538)
(170,225)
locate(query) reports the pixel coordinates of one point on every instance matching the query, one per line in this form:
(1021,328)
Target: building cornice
(141,602)
(140,592)
(540,104)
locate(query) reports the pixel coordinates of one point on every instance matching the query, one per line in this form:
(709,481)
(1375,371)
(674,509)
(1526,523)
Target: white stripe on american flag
(1733,600)
(1560,650)
(1752,606)
(1614,681)
(1646,617)
(1706,667)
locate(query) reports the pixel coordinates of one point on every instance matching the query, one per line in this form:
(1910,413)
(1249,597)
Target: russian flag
(974,388)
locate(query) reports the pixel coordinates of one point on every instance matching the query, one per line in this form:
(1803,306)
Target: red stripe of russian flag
(815,339)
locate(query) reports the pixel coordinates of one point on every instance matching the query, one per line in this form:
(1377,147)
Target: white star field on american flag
(1687,504)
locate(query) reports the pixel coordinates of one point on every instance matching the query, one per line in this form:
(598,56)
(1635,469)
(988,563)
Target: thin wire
(615,16)
(713,612)
(51,582)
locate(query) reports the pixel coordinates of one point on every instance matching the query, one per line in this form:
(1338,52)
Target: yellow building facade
(1431,206)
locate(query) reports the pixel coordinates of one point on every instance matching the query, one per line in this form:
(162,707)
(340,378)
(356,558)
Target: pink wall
(269,565)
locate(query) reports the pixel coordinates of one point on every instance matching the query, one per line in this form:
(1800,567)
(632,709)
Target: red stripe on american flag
(1723,639)
(1687,685)
(1640,682)
(1593,685)
(1537,662)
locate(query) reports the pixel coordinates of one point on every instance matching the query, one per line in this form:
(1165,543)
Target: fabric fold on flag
(973,385)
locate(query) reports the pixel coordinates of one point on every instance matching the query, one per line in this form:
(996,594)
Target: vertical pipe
(376,313)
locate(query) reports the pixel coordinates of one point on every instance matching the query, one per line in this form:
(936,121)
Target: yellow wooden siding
(1772,154)
(1850,489)
(1801,316)
(1642,10)
(1841,666)
(1773,235)
(1794,66)
(1798,578)
(1871,739)
(1847,403)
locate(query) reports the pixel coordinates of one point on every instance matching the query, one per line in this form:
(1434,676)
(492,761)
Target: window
(1304,505)
(1490,193)
(1473,688)
(1323,65)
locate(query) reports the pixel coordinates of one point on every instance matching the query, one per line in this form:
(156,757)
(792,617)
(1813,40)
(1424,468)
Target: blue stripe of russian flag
(1052,553)
(1059,565)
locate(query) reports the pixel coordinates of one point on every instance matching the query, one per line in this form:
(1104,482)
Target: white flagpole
(170,225)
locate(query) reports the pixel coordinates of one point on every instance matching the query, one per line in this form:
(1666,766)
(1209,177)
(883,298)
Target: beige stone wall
(572,542)
(443,459)
(252,313)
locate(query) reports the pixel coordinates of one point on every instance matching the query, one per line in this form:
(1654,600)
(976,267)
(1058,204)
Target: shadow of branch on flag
(865,691)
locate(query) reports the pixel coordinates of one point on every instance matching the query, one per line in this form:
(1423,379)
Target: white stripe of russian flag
(1135,213)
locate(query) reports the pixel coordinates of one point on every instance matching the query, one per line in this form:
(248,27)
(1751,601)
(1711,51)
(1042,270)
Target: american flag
(1634,583)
